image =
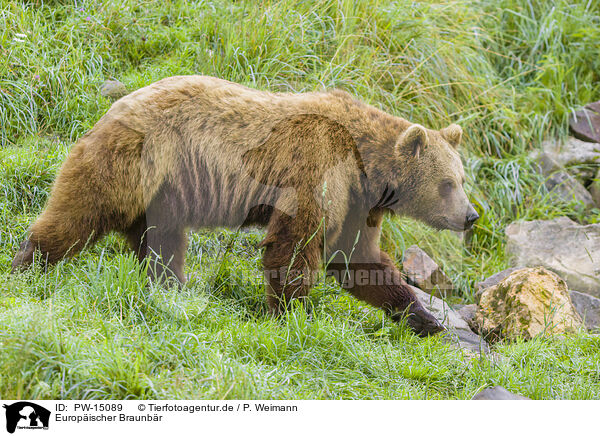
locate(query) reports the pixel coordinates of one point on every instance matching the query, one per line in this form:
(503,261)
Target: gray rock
(581,158)
(547,162)
(585,123)
(566,188)
(423,272)
(566,165)
(588,307)
(569,249)
(459,331)
(467,313)
(594,189)
(113,89)
(573,151)
(498,393)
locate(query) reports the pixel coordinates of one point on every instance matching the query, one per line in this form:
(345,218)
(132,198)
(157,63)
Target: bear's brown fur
(318,169)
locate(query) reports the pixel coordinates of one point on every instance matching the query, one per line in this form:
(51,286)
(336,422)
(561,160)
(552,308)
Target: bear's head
(430,176)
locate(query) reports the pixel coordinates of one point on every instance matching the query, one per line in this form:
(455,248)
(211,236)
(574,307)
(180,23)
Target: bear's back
(198,96)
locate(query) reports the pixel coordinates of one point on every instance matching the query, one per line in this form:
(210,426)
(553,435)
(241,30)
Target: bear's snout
(470,219)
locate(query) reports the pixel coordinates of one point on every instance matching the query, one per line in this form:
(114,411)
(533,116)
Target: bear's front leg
(166,254)
(291,262)
(160,236)
(380,284)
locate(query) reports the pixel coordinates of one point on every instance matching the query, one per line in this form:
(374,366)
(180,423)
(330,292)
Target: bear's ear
(413,140)
(452,134)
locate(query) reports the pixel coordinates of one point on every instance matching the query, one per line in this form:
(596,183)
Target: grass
(509,71)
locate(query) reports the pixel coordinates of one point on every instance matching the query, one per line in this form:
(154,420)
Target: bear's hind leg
(24,256)
(55,236)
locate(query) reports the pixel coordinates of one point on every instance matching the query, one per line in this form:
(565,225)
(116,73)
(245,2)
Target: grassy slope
(509,71)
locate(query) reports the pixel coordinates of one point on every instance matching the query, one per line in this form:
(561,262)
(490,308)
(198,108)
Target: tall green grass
(509,71)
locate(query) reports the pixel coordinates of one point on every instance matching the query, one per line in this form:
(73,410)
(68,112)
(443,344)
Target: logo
(26,415)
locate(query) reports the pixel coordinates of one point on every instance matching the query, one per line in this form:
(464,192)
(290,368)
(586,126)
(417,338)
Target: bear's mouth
(449,225)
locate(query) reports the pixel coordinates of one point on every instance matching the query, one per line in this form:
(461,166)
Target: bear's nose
(471,218)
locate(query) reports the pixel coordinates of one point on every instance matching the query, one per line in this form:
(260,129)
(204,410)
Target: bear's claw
(422,322)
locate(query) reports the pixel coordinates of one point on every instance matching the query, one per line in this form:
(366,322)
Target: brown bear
(318,169)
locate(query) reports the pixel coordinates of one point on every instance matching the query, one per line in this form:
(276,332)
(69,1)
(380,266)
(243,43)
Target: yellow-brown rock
(529,302)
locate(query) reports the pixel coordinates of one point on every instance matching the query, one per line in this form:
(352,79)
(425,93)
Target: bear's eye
(446,187)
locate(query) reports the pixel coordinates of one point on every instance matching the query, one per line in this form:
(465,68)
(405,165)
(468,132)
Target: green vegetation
(509,71)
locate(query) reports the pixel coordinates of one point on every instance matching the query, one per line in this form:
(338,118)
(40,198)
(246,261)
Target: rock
(588,308)
(459,332)
(581,159)
(113,89)
(563,163)
(467,313)
(498,393)
(566,188)
(594,189)
(546,162)
(527,303)
(572,152)
(423,272)
(569,249)
(493,280)
(585,124)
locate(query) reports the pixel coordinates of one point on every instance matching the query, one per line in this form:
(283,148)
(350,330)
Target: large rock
(569,249)
(581,158)
(567,166)
(585,124)
(588,307)
(113,89)
(468,313)
(594,189)
(567,188)
(493,280)
(423,272)
(458,330)
(529,302)
(498,393)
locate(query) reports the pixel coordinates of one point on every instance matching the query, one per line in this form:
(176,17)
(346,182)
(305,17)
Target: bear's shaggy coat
(318,169)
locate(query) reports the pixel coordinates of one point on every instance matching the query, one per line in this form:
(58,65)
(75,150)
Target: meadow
(510,72)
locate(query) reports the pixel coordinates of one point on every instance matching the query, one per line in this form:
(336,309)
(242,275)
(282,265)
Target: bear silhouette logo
(24,414)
